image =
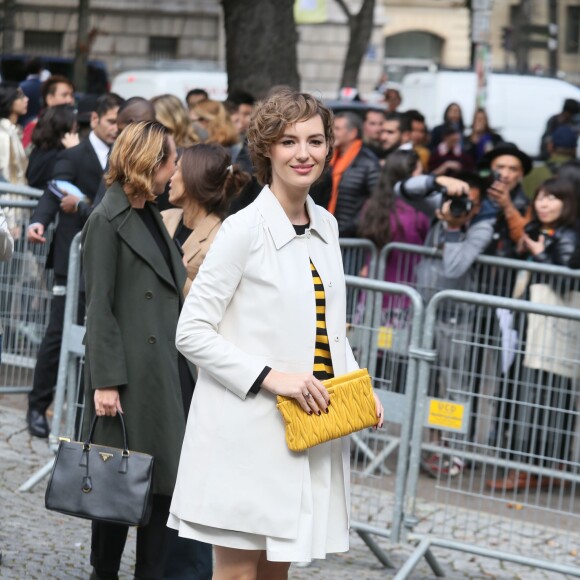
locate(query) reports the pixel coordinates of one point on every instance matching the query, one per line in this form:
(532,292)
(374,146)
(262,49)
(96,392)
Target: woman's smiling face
(299,155)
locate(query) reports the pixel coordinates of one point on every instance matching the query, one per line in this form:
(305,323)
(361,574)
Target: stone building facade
(177,33)
(420,33)
(407,35)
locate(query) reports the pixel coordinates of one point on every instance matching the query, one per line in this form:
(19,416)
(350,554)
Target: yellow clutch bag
(352,409)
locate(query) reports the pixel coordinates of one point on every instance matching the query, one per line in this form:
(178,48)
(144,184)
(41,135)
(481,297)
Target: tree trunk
(260,45)
(9,26)
(82,47)
(360,29)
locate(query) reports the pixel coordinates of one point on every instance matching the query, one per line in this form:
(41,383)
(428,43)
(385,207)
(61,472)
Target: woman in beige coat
(266,316)
(201,188)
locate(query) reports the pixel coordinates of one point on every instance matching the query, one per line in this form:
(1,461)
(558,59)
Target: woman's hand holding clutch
(305,388)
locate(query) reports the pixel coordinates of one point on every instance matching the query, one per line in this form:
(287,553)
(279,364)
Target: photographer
(462,234)
(459,231)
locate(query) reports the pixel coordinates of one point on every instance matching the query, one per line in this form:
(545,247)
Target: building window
(414,44)
(163,47)
(41,42)
(573,29)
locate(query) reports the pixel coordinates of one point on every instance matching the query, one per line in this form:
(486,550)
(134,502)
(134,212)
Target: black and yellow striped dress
(322,359)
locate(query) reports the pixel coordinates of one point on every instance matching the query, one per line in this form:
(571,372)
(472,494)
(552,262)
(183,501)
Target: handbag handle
(92,431)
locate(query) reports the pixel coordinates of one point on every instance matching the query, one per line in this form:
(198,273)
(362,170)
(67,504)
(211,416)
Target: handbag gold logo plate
(105,456)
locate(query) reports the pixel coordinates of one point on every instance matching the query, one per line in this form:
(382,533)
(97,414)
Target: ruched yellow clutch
(352,409)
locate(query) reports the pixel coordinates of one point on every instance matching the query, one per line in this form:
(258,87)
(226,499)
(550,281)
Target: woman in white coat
(266,317)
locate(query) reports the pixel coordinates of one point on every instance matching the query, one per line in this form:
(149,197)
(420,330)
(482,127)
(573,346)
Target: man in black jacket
(83,167)
(355,173)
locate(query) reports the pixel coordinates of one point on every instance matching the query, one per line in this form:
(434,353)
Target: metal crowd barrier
(461,388)
(68,398)
(477,367)
(511,494)
(418,267)
(376,510)
(25,292)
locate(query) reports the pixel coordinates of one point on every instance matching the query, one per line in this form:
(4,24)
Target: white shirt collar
(101,149)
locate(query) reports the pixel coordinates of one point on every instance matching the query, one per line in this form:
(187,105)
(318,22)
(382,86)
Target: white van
(518,106)
(151,83)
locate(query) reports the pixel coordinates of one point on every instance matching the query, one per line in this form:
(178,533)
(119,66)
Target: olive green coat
(133,304)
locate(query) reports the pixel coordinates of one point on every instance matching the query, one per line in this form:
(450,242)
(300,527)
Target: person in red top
(56,90)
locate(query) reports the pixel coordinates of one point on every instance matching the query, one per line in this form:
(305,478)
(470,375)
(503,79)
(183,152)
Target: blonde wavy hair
(270,119)
(138,153)
(219,126)
(171,113)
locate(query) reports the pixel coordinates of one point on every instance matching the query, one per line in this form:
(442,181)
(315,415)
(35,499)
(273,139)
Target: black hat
(506,149)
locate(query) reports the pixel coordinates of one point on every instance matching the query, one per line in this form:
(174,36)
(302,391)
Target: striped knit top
(322,360)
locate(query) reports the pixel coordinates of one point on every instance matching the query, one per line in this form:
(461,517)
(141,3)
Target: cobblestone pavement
(41,545)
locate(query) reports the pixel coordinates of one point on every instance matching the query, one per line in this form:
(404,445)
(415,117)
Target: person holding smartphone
(507,165)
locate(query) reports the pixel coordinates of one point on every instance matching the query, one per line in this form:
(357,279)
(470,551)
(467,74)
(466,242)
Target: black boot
(37,424)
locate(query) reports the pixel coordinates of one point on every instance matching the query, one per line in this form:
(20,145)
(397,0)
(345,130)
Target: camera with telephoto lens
(533,230)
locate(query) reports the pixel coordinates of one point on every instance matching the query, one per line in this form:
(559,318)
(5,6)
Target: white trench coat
(252,305)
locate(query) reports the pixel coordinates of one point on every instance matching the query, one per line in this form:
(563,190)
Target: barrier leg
(37,477)
(381,555)
(367,451)
(433,564)
(382,456)
(422,550)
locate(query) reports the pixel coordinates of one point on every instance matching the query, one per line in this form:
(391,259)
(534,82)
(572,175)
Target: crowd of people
(150,183)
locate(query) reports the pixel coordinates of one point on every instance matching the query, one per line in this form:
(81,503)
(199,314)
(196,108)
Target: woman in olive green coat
(134,279)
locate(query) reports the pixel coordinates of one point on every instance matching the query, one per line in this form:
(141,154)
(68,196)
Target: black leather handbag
(101,483)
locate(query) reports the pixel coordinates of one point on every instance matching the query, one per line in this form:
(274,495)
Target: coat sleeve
(49,205)
(421,193)
(459,255)
(198,337)
(103,340)
(351,362)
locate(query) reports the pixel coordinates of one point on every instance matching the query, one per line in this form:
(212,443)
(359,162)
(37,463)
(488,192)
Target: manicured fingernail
(310,412)
(326,411)
(329,403)
(318,413)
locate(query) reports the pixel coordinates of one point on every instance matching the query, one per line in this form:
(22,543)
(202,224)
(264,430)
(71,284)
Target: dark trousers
(108,543)
(187,559)
(46,371)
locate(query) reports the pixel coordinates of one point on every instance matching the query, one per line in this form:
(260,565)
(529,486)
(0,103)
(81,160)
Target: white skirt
(323,519)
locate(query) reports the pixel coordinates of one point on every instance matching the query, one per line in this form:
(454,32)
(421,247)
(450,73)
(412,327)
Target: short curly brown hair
(271,118)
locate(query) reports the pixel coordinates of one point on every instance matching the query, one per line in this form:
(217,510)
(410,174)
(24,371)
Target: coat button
(151,340)
(337,338)
(330,284)
(307,233)
(148,295)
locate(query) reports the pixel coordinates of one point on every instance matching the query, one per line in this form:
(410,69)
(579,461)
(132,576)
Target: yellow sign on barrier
(447,415)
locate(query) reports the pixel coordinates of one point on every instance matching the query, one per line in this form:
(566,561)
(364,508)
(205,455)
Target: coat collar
(193,244)
(280,227)
(133,231)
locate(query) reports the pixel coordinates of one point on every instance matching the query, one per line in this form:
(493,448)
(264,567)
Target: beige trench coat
(252,305)
(197,244)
